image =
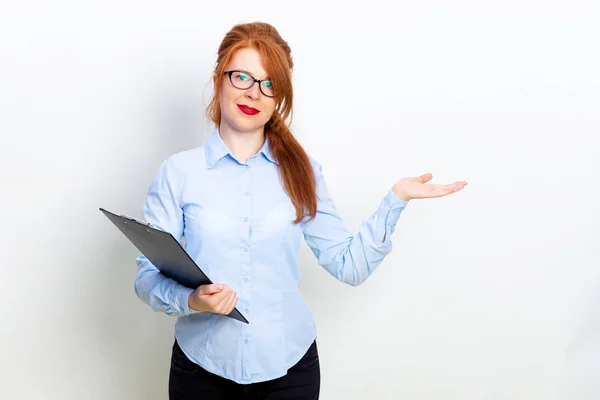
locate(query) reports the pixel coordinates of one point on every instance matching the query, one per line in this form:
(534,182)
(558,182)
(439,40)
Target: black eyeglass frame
(251,77)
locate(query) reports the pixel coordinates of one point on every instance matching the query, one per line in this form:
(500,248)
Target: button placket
(246,253)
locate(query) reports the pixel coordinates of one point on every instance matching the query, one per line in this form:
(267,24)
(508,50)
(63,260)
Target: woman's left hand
(418,188)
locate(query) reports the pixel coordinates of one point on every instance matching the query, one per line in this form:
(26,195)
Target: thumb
(209,289)
(425,177)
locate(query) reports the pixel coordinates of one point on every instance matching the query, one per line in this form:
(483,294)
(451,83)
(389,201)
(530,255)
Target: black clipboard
(165,253)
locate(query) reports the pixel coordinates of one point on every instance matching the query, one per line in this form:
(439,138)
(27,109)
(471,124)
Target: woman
(243,201)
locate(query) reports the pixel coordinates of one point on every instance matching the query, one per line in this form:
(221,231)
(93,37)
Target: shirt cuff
(181,299)
(390,208)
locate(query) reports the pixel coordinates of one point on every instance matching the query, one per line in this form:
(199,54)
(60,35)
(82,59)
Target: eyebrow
(250,73)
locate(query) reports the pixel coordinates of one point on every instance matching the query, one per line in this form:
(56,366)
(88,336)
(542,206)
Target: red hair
(294,165)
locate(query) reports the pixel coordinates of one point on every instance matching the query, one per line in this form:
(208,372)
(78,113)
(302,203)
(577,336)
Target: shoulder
(185,161)
(316,166)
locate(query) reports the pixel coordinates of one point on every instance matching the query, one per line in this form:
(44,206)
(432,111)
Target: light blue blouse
(237,222)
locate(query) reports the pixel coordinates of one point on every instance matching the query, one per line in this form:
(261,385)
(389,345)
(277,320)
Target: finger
(209,289)
(235,301)
(459,185)
(231,304)
(444,190)
(221,305)
(215,299)
(225,307)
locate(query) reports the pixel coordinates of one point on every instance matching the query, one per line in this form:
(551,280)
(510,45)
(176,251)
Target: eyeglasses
(244,81)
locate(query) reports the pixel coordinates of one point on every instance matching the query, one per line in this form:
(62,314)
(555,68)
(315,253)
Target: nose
(254,92)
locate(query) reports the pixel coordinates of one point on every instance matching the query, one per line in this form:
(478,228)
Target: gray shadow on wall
(136,340)
(582,358)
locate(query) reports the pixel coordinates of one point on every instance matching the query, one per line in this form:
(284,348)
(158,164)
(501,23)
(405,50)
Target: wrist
(191,304)
(400,195)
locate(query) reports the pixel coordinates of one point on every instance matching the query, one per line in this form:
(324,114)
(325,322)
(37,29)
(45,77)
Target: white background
(491,293)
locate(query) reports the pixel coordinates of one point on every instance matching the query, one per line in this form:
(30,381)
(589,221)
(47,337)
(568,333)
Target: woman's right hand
(220,299)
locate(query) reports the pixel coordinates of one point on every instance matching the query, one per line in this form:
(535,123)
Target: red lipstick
(248,110)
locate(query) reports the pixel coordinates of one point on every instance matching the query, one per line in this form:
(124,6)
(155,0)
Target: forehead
(248,60)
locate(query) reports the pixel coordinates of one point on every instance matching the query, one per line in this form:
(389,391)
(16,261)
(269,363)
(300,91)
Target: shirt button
(247,167)
(246,341)
(246,249)
(246,310)
(245,279)
(247,193)
(245,219)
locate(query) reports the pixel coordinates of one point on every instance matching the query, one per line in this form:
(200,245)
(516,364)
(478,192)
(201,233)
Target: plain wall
(491,293)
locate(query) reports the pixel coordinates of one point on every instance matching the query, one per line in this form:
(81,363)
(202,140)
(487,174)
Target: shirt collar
(266,150)
(216,149)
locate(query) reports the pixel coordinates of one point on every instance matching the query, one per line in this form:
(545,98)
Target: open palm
(418,188)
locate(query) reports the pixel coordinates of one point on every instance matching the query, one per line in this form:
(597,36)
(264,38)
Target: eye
(268,84)
(243,77)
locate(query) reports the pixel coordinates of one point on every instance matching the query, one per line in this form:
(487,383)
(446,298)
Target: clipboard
(165,253)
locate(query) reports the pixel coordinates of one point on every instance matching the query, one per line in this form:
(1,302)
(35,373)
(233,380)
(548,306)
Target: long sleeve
(162,209)
(351,258)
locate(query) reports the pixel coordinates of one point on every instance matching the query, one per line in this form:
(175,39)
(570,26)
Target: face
(239,107)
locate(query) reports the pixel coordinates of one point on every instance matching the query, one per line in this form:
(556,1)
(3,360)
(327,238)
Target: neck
(242,145)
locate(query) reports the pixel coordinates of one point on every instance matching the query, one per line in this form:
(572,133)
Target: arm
(162,209)
(351,258)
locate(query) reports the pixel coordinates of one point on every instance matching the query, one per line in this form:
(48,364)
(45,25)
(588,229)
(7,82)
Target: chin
(246,124)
